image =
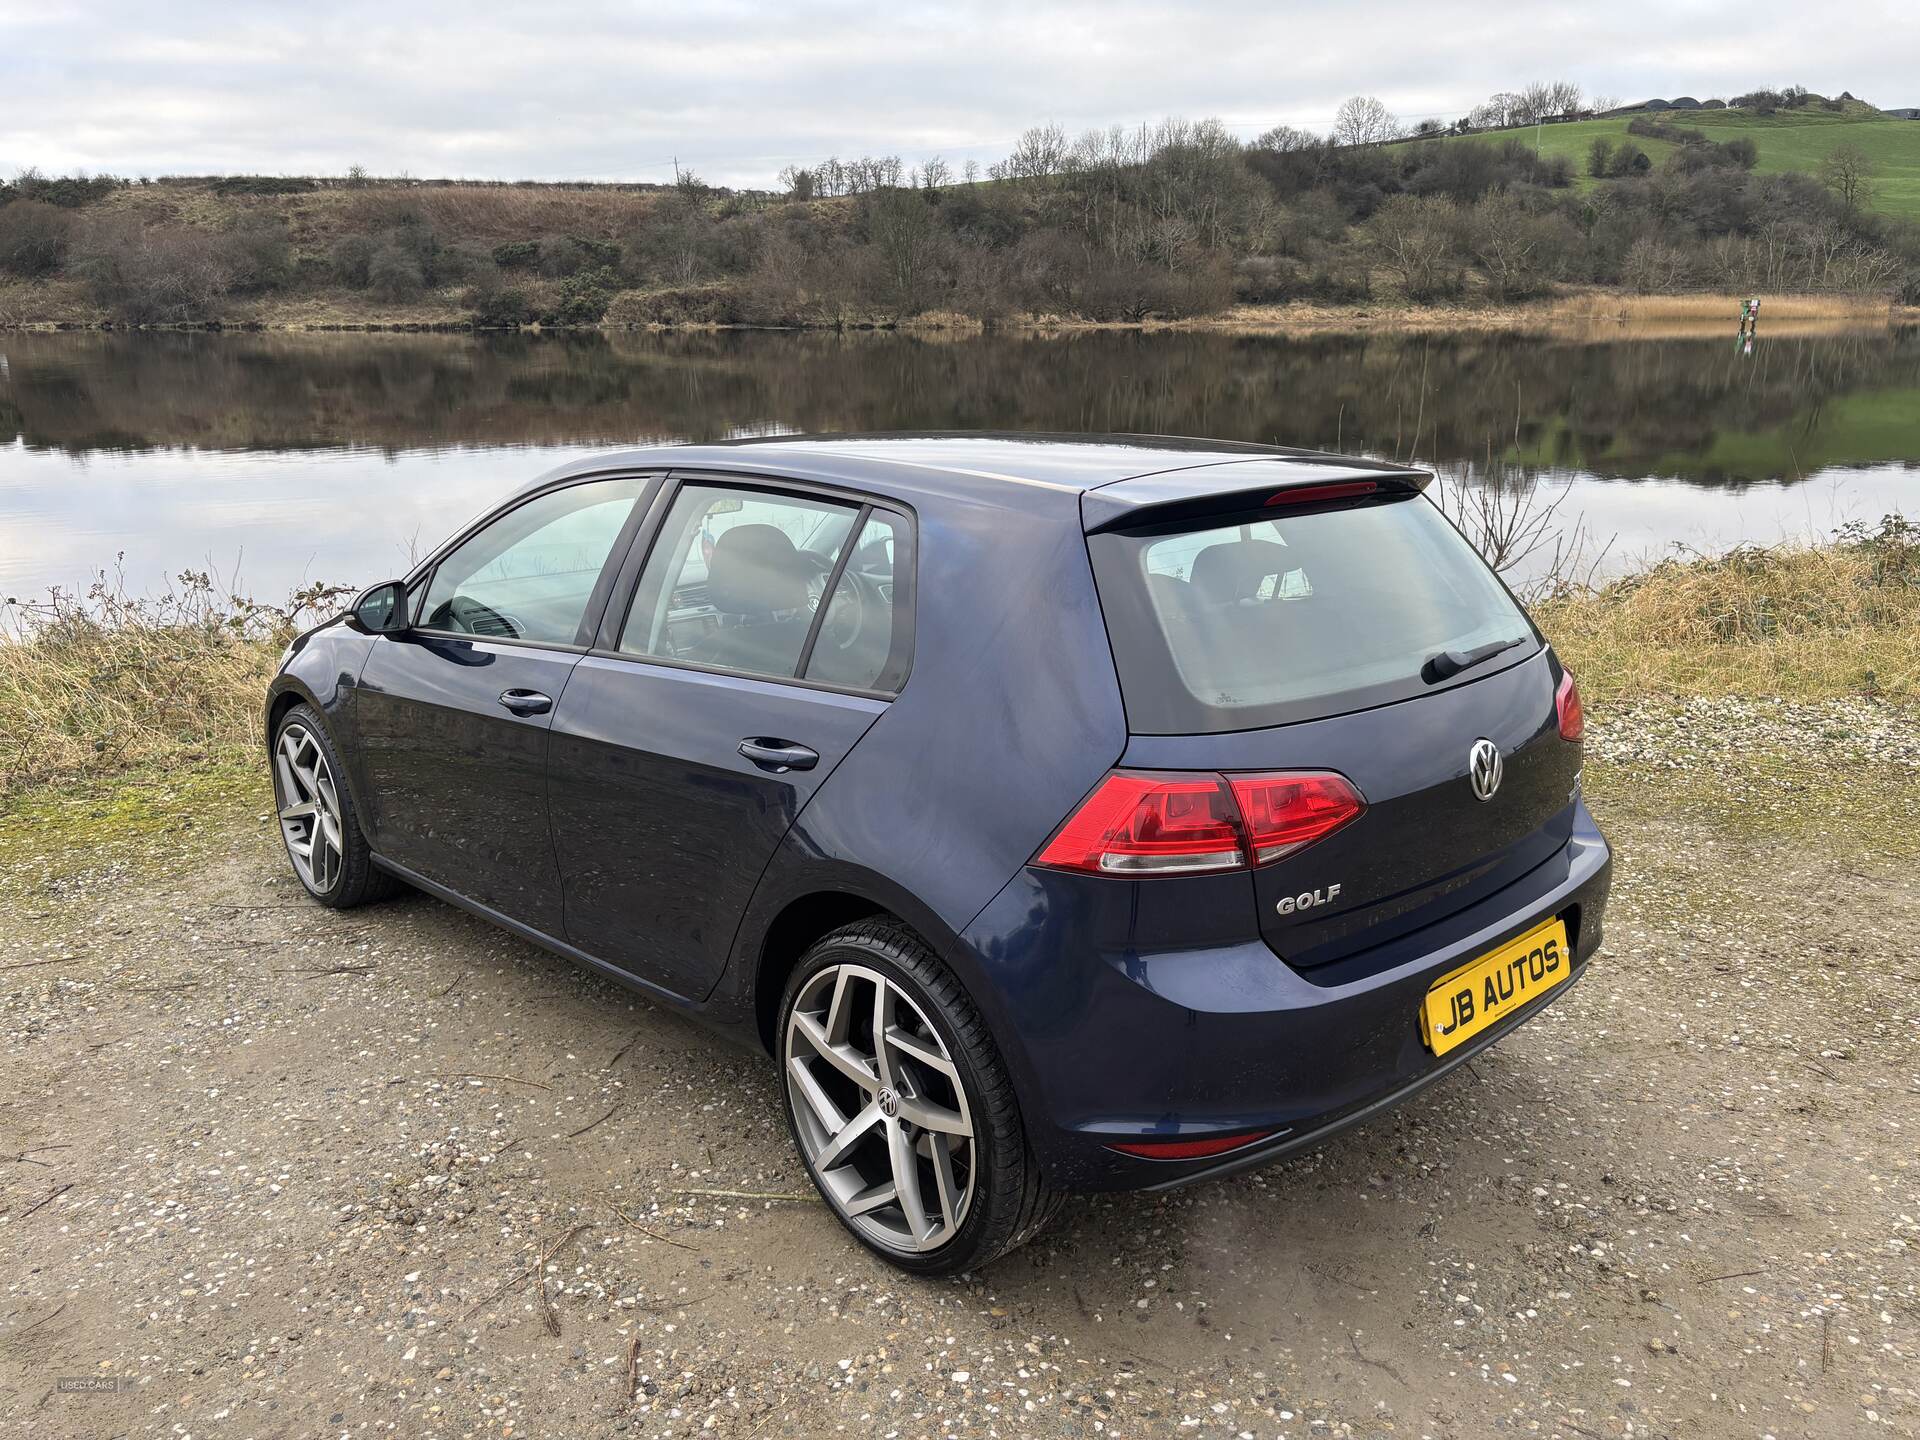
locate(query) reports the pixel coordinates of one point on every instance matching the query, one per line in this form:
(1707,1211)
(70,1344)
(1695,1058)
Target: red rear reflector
(1144,822)
(1566,704)
(1313,494)
(1190,1149)
(1282,813)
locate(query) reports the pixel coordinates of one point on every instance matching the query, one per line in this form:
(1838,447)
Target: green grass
(1788,140)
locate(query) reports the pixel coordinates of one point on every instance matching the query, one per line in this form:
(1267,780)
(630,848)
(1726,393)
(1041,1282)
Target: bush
(564,255)
(395,273)
(263,185)
(350,259)
(499,307)
(256,255)
(517,254)
(69,192)
(33,237)
(584,297)
(149,275)
(681,305)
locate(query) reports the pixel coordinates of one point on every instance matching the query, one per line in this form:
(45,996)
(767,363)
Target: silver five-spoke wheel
(880,1109)
(309,805)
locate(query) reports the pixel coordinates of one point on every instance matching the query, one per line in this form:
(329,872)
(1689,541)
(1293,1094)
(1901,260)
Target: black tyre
(318,824)
(901,1106)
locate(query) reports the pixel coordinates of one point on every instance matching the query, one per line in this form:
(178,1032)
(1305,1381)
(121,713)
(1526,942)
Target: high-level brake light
(1141,823)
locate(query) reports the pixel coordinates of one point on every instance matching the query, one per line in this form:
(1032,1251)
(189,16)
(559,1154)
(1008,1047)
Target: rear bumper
(1225,1038)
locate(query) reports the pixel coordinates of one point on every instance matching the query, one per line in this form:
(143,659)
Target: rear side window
(783,586)
(1266,619)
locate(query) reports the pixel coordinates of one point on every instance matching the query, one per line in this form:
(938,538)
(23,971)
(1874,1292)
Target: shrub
(149,275)
(517,254)
(256,255)
(350,259)
(584,297)
(394,273)
(69,192)
(33,237)
(263,185)
(560,256)
(682,305)
(492,306)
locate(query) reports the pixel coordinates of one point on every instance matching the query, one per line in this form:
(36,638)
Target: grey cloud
(582,89)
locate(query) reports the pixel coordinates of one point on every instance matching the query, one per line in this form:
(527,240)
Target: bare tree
(1287,139)
(1363,120)
(1522,534)
(1848,173)
(1417,237)
(936,174)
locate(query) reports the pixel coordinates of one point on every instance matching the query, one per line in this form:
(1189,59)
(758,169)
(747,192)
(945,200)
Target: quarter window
(529,574)
(737,580)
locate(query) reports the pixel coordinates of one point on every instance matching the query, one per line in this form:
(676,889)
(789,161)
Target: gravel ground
(270,1170)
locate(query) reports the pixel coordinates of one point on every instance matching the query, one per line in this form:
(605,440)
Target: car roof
(971,461)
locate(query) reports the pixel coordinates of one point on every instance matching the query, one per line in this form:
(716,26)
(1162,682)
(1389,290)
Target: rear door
(767,629)
(1345,627)
(453,715)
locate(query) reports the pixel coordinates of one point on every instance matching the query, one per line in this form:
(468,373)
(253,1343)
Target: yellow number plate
(1494,986)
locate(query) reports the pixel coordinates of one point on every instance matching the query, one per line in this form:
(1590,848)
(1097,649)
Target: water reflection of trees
(1691,408)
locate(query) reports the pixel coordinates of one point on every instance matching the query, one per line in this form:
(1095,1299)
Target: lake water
(282,459)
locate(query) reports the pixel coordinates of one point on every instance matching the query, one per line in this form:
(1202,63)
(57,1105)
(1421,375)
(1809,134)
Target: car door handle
(526,702)
(778,755)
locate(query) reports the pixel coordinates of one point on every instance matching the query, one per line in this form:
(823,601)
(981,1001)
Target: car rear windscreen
(1263,618)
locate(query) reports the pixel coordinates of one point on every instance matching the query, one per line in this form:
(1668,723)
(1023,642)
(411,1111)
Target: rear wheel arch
(799,925)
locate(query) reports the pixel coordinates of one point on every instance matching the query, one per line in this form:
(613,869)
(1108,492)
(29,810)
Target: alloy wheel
(880,1109)
(309,804)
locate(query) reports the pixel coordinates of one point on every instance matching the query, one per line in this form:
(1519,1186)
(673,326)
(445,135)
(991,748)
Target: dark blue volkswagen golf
(1061,813)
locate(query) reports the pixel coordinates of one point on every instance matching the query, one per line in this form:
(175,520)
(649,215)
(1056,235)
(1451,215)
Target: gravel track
(271,1170)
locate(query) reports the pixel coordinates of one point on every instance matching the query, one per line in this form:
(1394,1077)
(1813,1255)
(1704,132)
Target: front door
(453,717)
(763,640)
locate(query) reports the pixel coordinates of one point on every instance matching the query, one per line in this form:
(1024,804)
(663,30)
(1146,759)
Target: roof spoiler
(1241,485)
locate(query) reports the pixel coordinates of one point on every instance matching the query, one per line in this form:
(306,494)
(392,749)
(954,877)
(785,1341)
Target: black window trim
(420,578)
(606,643)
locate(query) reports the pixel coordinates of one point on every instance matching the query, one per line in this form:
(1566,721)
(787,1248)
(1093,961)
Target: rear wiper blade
(1449,663)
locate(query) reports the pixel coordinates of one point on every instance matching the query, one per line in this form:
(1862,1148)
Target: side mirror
(383,609)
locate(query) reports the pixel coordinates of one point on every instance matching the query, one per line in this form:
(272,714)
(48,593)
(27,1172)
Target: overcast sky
(573,89)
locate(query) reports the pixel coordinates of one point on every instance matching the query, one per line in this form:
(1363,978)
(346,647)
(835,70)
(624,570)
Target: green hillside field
(1788,140)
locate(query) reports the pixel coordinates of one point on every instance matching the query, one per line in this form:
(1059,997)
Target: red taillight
(1566,704)
(1142,823)
(1314,494)
(1189,1149)
(1284,812)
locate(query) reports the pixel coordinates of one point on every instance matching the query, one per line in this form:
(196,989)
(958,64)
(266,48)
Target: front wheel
(317,819)
(901,1106)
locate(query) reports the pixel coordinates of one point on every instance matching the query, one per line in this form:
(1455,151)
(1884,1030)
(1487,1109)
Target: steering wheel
(857,596)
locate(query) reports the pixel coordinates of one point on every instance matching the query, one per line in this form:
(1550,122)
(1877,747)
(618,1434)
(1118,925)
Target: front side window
(529,574)
(738,579)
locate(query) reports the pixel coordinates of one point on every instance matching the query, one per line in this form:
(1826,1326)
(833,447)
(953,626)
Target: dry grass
(102,683)
(1799,622)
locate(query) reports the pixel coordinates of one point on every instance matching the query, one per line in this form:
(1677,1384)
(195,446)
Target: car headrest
(755,571)
(1234,569)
